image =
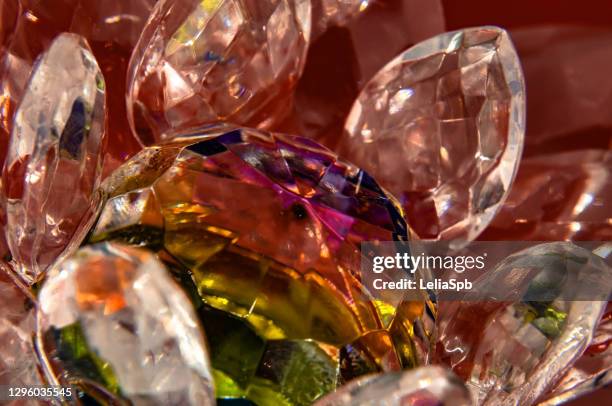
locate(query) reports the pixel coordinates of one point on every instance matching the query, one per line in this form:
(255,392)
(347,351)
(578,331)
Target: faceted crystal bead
(114,324)
(200,62)
(18,363)
(55,153)
(441,127)
(558,197)
(342,58)
(264,231)
(513,352)
(27,27)
(428,385)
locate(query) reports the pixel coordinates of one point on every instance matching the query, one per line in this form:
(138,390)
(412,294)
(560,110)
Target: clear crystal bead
(441,127)
(55,155)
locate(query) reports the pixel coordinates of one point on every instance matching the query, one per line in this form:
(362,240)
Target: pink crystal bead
(441,127)
(112,28)
(54,161)
(222,60)
(513,352)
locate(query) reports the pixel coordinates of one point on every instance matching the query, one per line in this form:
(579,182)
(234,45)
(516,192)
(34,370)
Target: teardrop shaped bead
(54,159)
(512,352)
(441,127)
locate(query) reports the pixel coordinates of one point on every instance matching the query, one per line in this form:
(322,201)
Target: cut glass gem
(441,127)
(201,62)
(54,161)
(515,352)
(115,325)
(264,231)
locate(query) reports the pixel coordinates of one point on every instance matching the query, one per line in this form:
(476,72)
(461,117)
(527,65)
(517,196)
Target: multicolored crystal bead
(264,230)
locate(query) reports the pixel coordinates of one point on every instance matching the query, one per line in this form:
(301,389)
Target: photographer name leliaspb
(488,270)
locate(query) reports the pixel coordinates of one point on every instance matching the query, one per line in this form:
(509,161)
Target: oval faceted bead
(54,159)
(441,127)
(264,231)
(111,27)
(201,62)
(115,325)
(512,352)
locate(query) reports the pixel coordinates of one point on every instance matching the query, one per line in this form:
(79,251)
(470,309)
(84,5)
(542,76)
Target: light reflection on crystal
(113,321)
(264,231)
(521,350)
(592,371)
(557,197)
(54,160)
(18,364)
(422,386)
(203,62)
(442,127)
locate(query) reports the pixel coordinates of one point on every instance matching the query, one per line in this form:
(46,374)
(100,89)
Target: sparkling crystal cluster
(220,263)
